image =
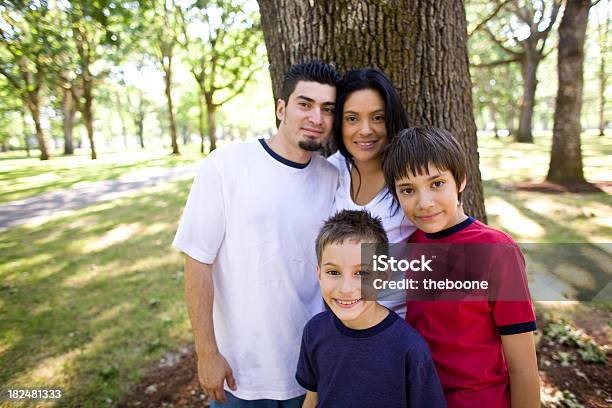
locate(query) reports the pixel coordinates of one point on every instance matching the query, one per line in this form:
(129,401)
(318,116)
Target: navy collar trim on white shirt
(450,231)
(281,159)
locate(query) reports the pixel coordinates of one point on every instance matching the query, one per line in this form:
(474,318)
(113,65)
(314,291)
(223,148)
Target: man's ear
(319,273)
(280,110)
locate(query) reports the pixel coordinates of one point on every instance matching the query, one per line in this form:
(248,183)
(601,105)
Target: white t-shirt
(397,226)
(254,216)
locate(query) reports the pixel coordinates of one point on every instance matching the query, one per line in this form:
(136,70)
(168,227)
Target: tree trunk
(40,136)
(420,44)
(212,124)
(529,68)
(202,108)
(603,78)
(494,119)
(68,110)
(26,134)
(510,120)
(168,81)
(140,127)
(566,156)
(88,112)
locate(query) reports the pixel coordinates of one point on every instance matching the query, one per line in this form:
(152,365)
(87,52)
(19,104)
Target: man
(248,230)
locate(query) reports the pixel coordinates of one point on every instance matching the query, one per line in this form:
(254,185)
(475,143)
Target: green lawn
(23,177)
(89,301)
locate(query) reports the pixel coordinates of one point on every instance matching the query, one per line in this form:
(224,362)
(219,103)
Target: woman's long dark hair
(396,118)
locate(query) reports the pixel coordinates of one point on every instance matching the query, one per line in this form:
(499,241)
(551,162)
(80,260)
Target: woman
(367,115)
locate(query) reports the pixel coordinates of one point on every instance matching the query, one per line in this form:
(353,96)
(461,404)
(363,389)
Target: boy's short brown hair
(414,149)
(350,225)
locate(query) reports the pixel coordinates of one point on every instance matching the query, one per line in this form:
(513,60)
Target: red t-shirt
(465,336)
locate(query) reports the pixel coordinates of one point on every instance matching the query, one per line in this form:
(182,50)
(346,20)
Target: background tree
(25,56)
(222,42)
(604,48)
(520,28)
(96,32)
(420,44)
(161,25)
(566,155)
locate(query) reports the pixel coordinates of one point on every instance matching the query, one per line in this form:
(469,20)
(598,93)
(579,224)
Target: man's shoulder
(323,165)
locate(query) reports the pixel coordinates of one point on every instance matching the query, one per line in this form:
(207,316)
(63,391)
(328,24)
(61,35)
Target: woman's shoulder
(338,160)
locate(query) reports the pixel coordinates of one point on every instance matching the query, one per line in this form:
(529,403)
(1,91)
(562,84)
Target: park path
(38,209)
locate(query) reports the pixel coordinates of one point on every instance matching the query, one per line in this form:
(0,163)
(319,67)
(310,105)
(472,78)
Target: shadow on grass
(90,300)
(563,262)
(17,182)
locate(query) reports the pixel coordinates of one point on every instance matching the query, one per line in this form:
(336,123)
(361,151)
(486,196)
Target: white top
(254,216)
(397,226)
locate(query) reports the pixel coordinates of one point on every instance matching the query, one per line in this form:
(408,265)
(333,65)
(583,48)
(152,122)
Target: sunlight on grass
(511,219)
(112,237)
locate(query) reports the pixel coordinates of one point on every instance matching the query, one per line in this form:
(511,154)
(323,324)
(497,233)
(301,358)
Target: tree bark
(212,124)
(529,69)
(420,44)
(566,156)
(68,110)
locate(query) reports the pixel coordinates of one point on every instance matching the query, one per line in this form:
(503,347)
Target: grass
(22,177)
(88,302)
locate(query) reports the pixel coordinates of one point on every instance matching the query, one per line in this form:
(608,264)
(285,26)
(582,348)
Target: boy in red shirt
(484,351)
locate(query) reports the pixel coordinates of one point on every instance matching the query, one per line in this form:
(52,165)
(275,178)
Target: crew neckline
(280,158)
(451,230)
(369,332)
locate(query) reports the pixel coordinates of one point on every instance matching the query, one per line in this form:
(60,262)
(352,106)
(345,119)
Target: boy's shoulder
(319,322)
(469,231)
(408,338)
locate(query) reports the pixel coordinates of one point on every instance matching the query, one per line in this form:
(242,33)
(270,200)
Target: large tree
(420,44)
(566,155)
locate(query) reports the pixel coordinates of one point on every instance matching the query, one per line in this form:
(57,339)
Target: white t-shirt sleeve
(202,226)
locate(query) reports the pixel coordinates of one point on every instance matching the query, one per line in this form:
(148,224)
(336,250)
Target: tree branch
(489,18)
(494,63)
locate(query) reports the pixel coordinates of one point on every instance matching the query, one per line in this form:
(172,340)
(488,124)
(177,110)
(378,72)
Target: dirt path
(565,382)
(37,210)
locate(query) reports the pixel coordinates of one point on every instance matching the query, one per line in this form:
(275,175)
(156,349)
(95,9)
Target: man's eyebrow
(305,98)
(308,99)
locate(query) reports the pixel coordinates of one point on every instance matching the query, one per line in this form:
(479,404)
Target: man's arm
(213,369)
(519,350)
(311,400)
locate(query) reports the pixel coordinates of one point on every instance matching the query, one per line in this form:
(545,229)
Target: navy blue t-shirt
(388,365)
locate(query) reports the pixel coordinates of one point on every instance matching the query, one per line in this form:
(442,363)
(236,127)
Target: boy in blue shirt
(359,353)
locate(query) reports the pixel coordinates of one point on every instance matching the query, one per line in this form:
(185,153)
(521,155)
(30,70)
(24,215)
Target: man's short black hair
(311,71)
(352,225)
